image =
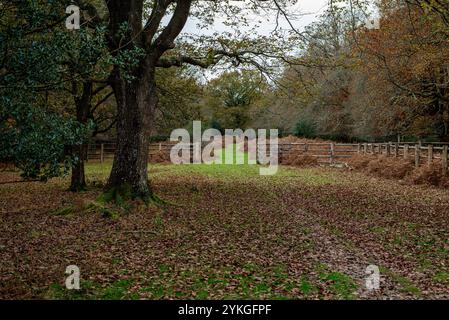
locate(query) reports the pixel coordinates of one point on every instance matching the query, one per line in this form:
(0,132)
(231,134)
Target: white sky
(307,11)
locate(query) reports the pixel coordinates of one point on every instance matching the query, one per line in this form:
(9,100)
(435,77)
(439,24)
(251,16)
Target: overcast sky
(309,10)
(306,12)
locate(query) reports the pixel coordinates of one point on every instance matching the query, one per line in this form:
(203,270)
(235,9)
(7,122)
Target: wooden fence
(420,153)
(102,151)
(327,153)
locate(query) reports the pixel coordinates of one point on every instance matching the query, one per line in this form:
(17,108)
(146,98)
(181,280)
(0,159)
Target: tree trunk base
(125,192)
(78,187)
(78,182)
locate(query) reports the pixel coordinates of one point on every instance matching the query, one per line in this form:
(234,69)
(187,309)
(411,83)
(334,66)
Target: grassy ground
(227,232)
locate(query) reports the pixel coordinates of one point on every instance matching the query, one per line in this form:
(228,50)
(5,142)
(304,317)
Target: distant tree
(86,70)
(179,97)
(34,136)
(305,129)
(357,82)
(231,96)
(407,58)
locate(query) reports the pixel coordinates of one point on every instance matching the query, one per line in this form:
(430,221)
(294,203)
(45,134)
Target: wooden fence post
(359,148)
(160,146)
(430,154)
(365,148)
(405,151)
(332,153)
(102,153)
(192,152)
(444,160)
(417,155)
(388,149)
(396,150)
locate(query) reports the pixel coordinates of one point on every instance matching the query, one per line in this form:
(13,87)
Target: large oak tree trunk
(136,99)
(136,102)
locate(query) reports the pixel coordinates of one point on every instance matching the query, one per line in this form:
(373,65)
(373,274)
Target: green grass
(339,284)
(118,290)
(307,176)
(405,283)
(442,277)
(250,282)
(232,154)
(97,173)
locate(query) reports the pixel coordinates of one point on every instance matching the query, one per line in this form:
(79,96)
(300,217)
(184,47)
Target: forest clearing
(205,151)
(305,233)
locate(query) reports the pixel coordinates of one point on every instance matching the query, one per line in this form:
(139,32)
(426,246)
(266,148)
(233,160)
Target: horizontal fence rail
(326,153)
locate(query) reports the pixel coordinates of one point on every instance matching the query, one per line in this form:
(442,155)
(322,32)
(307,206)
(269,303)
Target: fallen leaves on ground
(228,233)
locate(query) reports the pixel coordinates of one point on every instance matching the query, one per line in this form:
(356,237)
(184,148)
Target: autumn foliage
(400,169)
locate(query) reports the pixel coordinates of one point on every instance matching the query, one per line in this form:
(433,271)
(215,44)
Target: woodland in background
(338,79)
(362,84)
(349,83)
